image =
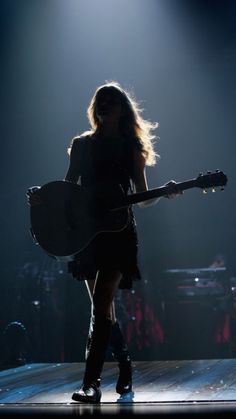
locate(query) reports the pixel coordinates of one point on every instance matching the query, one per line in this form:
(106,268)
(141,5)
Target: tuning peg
(208,172)
(204,191)
(213,190)
(222,188)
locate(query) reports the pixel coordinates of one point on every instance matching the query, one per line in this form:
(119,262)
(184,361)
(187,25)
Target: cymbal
(195,270)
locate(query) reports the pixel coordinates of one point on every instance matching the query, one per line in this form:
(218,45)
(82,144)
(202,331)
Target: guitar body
(70,216)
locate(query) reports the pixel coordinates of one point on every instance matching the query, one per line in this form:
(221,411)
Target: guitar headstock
(211,180)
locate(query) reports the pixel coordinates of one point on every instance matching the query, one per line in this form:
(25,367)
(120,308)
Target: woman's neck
(109,131)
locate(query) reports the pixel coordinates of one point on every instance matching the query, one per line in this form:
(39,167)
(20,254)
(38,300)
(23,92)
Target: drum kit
(194,283)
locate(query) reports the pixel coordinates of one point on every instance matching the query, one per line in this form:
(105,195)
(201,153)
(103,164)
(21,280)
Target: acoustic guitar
(70,216)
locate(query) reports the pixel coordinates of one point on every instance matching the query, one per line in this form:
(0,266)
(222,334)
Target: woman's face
(108,105)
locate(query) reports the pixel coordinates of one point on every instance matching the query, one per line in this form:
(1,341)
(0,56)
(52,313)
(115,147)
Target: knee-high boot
(121,354)
(98,339)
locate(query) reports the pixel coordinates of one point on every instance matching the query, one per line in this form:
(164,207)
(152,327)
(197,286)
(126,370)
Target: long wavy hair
(132,124)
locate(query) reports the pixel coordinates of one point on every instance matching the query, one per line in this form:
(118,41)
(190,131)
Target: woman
(115,151)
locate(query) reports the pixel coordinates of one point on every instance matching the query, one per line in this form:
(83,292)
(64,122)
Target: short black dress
(108,161)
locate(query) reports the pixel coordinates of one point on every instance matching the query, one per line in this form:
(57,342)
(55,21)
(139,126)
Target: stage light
(15,344)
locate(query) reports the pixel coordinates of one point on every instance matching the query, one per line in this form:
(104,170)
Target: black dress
(109,161)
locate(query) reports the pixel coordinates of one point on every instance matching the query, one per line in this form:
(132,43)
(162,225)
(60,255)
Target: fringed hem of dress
(109,251)
(126,282)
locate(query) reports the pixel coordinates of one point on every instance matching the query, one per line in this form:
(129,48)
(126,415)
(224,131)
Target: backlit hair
(132,124)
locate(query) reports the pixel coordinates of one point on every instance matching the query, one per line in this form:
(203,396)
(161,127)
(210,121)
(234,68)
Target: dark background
(179,59)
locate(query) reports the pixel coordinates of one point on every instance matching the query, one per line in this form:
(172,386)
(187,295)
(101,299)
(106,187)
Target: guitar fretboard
(156,193)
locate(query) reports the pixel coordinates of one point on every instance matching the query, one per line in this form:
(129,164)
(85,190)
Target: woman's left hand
(173,190)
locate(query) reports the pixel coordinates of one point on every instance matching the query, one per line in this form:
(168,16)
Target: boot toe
(87,394)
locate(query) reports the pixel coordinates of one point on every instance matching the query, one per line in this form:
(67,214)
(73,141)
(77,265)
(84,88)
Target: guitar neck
(210,180)
(157,192)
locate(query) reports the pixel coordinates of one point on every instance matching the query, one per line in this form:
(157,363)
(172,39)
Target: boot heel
(124,382)
(121,354)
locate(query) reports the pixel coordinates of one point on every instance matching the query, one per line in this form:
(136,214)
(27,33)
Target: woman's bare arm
(140,181)
(139,178)
(73,171)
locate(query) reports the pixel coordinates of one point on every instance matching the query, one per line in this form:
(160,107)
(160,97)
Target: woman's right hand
(33,197)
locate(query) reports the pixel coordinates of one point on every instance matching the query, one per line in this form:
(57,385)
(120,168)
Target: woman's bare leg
(90,285)
(105,287)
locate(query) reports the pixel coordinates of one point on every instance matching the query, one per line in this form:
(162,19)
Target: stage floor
(183,387)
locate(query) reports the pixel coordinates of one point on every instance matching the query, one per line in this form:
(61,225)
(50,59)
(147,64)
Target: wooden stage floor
(163,388)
